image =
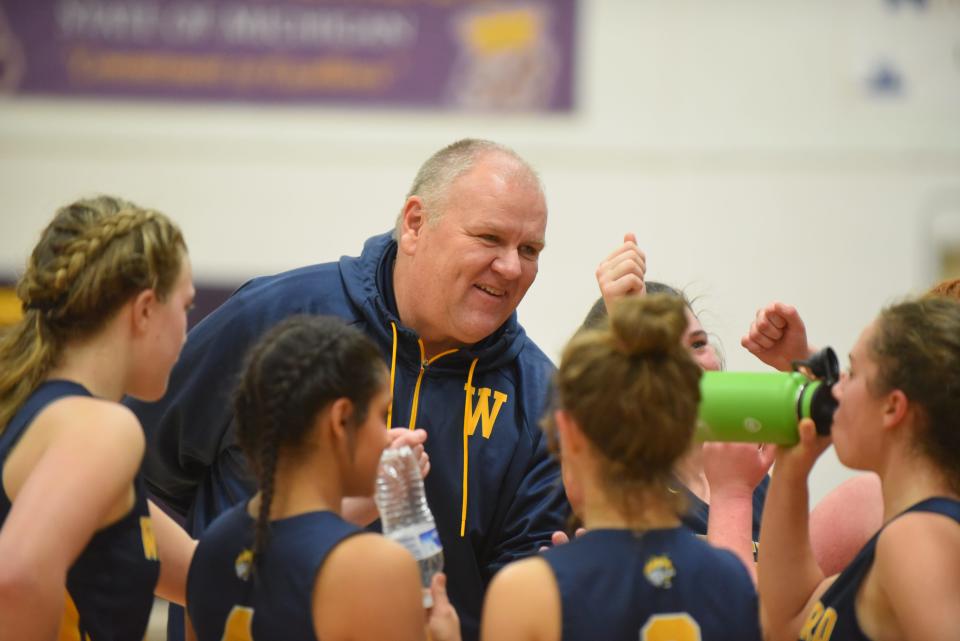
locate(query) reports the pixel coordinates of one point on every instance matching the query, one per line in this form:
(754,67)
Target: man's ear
(142,309)
(412,222)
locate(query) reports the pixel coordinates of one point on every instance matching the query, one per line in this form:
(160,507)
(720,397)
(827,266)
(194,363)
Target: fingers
(749,344)
(559,538)
(734,466)
(423,460)
(424,465)
(414,439)
(768,453)
(623,286)
(807,430)
(812,443)
(580,532)
(787,313)
(443,622)
(755,341)
(629,246)
(438,589)
(769,324)
(765,330)
(773,321)
(629,262)
(622,272)
(773,316)
(777,336)
(406,436)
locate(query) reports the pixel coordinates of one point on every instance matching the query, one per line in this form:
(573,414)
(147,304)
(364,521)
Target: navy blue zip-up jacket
(494,490)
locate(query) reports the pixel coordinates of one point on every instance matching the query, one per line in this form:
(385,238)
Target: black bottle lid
(825,367)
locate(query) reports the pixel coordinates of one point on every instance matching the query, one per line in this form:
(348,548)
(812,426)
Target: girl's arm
(522,604)
(788,576)
(176,550)
(733,471)
(80,480)
(188,632)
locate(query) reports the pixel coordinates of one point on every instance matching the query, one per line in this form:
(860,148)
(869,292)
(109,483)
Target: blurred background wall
(801,150)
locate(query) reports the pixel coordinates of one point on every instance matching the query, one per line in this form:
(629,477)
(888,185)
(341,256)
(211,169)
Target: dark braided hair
(296,369)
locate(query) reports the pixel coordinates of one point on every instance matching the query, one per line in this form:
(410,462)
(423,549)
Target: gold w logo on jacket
(480,412)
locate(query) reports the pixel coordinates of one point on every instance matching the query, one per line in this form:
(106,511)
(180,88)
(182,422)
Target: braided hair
(296,370)
(91,259)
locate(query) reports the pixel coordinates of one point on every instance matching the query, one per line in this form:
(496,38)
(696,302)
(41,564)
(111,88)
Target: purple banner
(452,54)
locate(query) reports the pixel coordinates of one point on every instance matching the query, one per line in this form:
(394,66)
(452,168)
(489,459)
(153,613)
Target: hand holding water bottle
(362,510)
(400,436)
(443,624)
(405,515)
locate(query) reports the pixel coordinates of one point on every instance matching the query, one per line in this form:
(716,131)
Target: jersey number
(149,540)
(670,627)
(820,623)
(237,627)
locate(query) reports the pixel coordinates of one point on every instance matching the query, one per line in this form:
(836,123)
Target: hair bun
(650,325)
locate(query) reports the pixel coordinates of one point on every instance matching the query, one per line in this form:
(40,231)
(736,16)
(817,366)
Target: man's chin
(477,332)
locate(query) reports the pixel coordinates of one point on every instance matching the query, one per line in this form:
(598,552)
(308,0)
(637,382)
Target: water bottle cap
(817,398)
(822,407)
(823,364)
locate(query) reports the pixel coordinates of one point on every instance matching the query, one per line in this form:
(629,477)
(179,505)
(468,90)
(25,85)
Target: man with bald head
(439,295)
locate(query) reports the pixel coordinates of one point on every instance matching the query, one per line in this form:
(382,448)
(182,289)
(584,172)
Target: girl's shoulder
(90,421)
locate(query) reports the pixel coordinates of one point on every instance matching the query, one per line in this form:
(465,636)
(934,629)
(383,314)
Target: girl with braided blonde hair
(105,296)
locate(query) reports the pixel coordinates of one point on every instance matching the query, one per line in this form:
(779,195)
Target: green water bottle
(765,407)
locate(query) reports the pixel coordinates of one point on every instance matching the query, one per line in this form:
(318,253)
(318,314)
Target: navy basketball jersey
(834,616)
(228,600)
(698,512)
(620,585)
(110,585)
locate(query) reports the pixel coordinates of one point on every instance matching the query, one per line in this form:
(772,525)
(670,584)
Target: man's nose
(507,264)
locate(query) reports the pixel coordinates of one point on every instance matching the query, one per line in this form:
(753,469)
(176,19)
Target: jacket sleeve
(533,512)
(188,428)
(533,504)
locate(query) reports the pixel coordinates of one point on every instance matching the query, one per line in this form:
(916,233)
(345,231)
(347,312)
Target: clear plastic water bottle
(405,515)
